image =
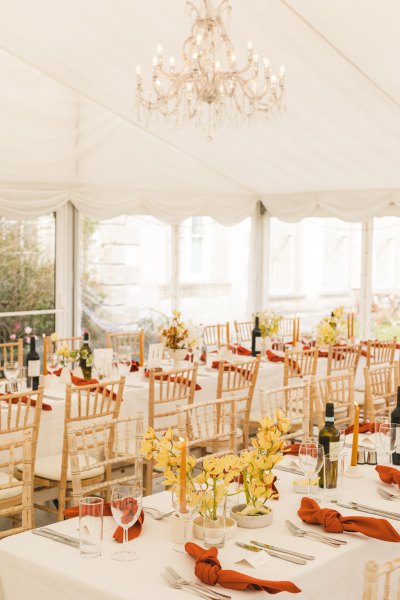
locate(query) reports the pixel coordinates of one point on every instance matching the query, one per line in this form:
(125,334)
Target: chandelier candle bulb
(159,50)
(355,435)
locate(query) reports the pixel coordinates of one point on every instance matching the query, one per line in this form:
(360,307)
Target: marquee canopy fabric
(68,129)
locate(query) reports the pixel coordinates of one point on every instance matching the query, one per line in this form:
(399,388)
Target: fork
(316,536)
(157,514)
(388,495)
(178,586)
(179,579)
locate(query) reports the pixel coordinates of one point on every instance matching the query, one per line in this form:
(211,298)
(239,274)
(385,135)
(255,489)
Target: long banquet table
(41,569)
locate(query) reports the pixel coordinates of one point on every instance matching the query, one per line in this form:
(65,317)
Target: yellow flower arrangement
(177,336)
(332,329)
(269,323)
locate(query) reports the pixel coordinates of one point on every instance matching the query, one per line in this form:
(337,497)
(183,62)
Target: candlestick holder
(354,472)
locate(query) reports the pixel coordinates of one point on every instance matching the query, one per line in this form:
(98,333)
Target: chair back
(295,402)
(51,346)
(216,335)
(12,352)
(103,445)
(239,380)
(343,358)
(299,364)
(289,329)
(134,339)
(243,330)
(379,353)
(211,423)
(16,453)
(381,582)
(381,385)
(339,389)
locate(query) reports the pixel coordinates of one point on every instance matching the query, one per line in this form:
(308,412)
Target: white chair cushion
(10,492)
(49,467)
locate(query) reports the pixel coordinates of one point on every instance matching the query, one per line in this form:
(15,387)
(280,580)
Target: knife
(370,510)
(293,559)
(57,538)
(276,549)
(289,470)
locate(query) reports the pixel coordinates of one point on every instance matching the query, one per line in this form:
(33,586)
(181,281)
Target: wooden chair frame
(299,364)
(217,335)
(110,443)
(379,353)
(134,339)
(373,572)
(49,345)
(12,351)
(339,389)
(100,402)
(21,504)
(295,402)
(243,330)
(343,358)
(381,383)
(289,329)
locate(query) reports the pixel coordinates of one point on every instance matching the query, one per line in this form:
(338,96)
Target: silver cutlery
(276,549)
(388,495)
(318,537)
(292,559)
(182,581)
(53,535)
(178,586)
(371,510)
(157,514)
(289,469)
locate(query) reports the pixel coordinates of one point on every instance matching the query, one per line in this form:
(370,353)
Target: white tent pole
(175,271)
(256,263)
(65,270)
(366,280)
(266,225)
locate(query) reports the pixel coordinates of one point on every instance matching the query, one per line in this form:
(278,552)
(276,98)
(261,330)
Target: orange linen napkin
(364,427)
(178,379)
(388,474)
(133,532)
(240,350)
(310,512)
(293,449)
(272,357)
(208,569)
(24,400)
(134,366)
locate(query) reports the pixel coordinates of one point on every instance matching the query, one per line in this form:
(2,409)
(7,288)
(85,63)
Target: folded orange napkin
(208,569)
(134,366)
(133,532)
(332,521)
(292,449)
(178,379)
(240,350)
(272,357)
(364,427)
(388,474)
(24,400)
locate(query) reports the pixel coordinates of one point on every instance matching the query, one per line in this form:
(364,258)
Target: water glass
(91,526)
(126,505)
(311,460)
(333,477)
(389,438)
(11,370)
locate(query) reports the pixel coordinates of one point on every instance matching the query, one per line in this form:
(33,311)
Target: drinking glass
(53,364)
(124,358)
(389,438)
(11,370)
(90,526)
(182,519)
(126,504)
(311,460)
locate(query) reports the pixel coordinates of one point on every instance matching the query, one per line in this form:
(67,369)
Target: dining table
(38,568)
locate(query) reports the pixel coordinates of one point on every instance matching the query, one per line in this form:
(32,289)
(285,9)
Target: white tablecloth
(40,569)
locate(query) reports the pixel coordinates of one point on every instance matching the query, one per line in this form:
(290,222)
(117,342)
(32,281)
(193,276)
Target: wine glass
(52,364)
(11,370)
(124,357)
(389,438)
(126,505)
(182,520)
(311,459)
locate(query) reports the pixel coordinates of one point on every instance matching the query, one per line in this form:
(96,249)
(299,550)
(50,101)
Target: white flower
(28,330)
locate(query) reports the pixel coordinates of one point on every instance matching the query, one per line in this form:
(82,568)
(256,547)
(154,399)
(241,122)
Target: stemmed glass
(124,361)
(389,438)
(311,460)
(126,505)
(52,364)
(11,370)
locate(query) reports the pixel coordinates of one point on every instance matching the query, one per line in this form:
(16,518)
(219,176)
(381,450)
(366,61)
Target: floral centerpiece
(269,323)
(332,329)
(68,356)
(177,338)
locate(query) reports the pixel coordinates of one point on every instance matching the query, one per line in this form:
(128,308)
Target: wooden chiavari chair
(167,390)
(379,353)
(294,401)
(12,352)
(299,364)
(94,403)
(243,330)
(238,380)
(343,358)
(378,580)
(51,346)
(16,501)
(289,329)
(210,424)
(103,446)
(381,385)
(216,335)
(134,339)
(339,389)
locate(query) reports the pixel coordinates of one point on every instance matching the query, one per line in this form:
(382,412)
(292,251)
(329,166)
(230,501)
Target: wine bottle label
(258,344)
(33,368)
(334,451)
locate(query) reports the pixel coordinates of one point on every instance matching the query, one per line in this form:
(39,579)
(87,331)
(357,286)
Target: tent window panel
(285,242)
(27,277)
(125,280)
(386,277)
(214,262)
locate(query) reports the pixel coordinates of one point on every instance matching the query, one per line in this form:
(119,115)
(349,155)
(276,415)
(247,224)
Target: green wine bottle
(86,357)
(329,438)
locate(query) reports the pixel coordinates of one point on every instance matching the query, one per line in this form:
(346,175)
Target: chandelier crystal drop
(211,89)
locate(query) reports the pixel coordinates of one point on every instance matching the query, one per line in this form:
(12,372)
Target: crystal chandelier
(211,89)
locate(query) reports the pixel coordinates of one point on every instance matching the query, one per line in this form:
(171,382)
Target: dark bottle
(33,364)
(329,438)
(256,340)
(86,357)
(395,418)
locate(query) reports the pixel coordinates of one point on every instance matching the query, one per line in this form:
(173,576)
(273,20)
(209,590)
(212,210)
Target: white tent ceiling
(68,129)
